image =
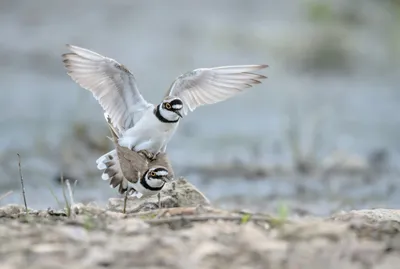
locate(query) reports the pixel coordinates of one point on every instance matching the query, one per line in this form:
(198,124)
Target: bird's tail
(109,163)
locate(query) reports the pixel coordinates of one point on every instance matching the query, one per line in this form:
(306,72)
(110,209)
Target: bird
(144,127)
(133,173)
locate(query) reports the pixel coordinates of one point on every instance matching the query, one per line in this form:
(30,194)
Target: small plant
(67,205)
(283,211)
(54,195)
(245,218)
(282,215)
(71,202)
(88,223)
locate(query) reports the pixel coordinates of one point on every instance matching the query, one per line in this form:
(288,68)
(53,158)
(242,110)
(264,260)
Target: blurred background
(321,134)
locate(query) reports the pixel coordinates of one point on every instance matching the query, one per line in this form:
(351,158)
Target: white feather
(138,195)
(212,85)
(101,166)
(111,83)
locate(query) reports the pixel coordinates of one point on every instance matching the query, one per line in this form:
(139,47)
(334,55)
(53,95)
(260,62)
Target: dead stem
(70,192)
(22,182)
(5,195)
(67,205)
(195,218)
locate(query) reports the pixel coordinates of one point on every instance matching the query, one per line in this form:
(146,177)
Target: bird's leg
(159,199)
(125,200)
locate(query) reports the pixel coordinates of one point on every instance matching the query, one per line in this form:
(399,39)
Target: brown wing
(133,165)
(162,160)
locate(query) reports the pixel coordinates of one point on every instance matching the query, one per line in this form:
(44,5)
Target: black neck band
(147,186)
(160,117)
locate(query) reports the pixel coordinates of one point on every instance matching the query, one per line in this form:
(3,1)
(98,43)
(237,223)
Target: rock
(185,193)
(11,210)
(378,224)
(369,215)
(179,193)
(89,209)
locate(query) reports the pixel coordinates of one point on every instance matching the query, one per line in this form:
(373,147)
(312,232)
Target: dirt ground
(184,238)
(188,236)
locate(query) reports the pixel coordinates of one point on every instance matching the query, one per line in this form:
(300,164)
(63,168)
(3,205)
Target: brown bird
(133,173)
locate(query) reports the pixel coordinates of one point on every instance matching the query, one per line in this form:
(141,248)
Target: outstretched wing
(212,85)
(111,83)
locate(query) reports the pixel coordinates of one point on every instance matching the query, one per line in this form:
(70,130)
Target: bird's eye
(152,174)
(168,105)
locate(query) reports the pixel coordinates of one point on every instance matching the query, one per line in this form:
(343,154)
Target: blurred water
(342,71)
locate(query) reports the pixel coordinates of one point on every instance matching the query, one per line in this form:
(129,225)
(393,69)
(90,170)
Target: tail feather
(114,174)
(106,158)
(109,162)
(104,176)
(115,181)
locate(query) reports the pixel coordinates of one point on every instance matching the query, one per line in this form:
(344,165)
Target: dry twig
(22,182)
(5,195)
(70,192)
(177,211)
(67,204)
(201,218)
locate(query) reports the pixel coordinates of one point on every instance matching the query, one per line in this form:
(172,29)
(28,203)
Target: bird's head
(172,106)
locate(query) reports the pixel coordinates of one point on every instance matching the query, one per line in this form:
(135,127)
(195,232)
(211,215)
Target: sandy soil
(190,236)
(199,237)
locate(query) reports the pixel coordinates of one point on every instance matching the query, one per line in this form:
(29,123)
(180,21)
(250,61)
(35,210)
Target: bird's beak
(178,113)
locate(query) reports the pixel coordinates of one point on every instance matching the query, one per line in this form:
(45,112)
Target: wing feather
(132,165)
(205,86)
(110,82)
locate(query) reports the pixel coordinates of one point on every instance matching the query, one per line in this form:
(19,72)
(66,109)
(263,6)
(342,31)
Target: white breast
(148,134)
(139,188)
